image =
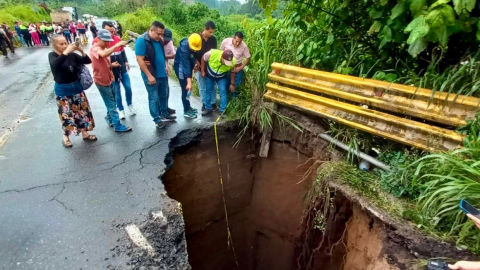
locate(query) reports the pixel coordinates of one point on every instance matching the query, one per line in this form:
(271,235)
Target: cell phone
(130,41)
(78,41)
(469,209)
(437,265)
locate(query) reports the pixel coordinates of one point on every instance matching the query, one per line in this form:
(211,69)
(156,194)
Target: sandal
(67,144)
(90,138)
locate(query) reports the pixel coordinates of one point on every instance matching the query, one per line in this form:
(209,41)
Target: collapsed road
(69,208)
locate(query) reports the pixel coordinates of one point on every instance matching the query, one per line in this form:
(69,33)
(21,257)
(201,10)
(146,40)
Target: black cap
(167,36)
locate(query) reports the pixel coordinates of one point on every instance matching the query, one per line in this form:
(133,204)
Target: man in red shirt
(120,73)
(103,76)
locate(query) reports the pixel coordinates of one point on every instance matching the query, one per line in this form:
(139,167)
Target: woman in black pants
(26,35)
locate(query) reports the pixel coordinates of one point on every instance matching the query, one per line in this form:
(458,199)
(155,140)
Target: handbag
(85,78)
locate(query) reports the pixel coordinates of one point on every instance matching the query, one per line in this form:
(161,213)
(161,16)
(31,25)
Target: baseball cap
(104,35)
(167,36)
(195,42)
(227,56)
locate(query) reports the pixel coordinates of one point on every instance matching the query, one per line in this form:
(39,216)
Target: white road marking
(138,239)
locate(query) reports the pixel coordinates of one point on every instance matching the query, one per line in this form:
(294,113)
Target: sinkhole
(272,225)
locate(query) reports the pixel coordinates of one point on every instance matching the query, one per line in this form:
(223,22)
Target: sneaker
(123,128)
(214,107)
(168,118)
(190,114)
(206,112)
(195,110)
(203,107)
(171,111)
(121,114)
(132,109)
(160,125)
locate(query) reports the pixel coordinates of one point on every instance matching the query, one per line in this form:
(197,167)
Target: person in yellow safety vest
(26,35)
(43,34)
(49,30)
(215,67)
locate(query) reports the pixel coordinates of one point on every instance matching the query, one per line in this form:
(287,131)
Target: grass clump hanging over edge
(434,208)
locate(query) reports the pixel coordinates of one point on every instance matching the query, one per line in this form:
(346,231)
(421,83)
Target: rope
(229,234)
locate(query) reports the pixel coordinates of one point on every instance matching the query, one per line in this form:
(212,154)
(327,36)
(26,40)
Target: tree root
(310,170)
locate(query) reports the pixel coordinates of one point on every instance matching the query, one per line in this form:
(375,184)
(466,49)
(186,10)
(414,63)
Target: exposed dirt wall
(364,243)
(263,198)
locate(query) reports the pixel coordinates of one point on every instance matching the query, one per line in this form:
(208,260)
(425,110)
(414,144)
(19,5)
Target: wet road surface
(68,208)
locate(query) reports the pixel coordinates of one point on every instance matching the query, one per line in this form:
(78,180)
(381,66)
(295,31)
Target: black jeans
(3,47)
(28,38)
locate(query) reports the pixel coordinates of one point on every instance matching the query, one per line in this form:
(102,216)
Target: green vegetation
(180,18)
(416,206)
(26,13)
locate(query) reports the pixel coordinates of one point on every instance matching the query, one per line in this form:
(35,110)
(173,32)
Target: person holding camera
(466,265)
(121,72)
(73,106)
(103,76)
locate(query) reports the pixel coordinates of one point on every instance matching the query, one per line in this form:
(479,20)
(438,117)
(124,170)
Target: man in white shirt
(241,53)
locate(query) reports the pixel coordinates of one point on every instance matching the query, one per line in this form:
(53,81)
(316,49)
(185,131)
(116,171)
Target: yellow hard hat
(195,42)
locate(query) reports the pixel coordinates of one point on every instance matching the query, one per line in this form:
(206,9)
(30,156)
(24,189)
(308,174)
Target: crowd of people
(40,34)
(197,56)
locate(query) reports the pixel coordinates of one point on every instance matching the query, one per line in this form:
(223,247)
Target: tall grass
(269,42)
(462,78)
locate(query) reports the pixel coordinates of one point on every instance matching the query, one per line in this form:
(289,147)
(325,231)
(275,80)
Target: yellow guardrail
(422,103)
(338,97)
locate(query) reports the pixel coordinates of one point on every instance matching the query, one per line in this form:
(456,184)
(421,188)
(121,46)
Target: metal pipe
(362,155)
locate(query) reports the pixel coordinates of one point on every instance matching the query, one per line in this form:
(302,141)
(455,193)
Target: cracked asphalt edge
(34,97)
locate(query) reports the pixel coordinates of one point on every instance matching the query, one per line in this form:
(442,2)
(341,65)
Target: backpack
(85,78)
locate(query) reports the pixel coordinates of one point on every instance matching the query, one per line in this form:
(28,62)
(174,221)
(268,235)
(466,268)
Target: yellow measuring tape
(229,234)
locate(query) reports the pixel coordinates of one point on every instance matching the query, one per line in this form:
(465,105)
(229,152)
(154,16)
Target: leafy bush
(183,20)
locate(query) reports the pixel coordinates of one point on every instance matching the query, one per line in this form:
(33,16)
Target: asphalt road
(67,208)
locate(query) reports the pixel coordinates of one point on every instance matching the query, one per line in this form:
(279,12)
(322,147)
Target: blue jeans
(44,38)
(125,79)
(183,84)
(222,84)
(68,89)
(108,96)
(68,37)
(202,85)
(157,98)
(238,81)
(168,93)
(186,103)
(22,40)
